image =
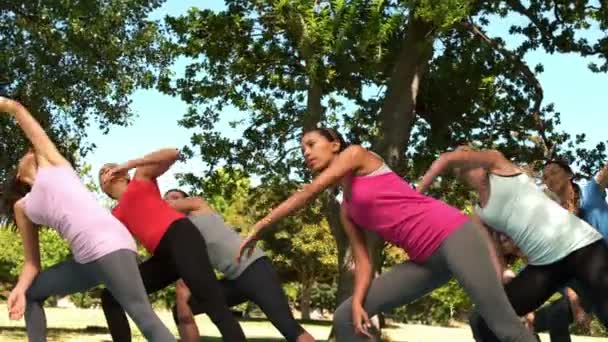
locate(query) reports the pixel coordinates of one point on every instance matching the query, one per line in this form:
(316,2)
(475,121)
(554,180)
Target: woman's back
(541,228)
(388,205)
(58,199)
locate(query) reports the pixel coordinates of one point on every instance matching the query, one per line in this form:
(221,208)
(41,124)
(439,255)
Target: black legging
(260,284)
(181,253)
(556,319)
(557,316)
(535,284)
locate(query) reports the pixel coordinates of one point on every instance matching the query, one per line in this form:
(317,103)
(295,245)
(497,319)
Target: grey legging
(464,254)
(118,271)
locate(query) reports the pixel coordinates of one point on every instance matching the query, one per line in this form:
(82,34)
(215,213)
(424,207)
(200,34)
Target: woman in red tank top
(178,249)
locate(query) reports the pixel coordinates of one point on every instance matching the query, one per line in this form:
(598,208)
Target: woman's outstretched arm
(351,159)
(602,177)
(41,142)
(348,161)
(459,159)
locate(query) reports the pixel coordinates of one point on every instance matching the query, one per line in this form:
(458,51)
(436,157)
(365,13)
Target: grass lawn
(88,325)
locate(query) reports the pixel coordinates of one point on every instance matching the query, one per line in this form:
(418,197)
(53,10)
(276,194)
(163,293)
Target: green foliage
(74,63)
(324,297)
(443,14)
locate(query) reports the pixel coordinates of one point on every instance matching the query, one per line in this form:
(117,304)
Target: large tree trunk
(397,112)
(396,118)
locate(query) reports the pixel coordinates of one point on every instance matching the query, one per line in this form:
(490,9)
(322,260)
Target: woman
(177,247)
(440,241)
(103,251)
(589,204)
(559,246)
(253,279)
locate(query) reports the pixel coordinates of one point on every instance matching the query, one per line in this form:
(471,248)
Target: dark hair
(13,190)
(331,135)
(565,166)
(562,163)
(179,191)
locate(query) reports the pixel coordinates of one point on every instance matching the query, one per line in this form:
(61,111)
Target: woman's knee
(343,315)
(182,292)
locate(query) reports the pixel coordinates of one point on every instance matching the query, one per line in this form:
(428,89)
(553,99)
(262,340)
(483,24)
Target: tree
(75,63)
(301,249)
(407,78)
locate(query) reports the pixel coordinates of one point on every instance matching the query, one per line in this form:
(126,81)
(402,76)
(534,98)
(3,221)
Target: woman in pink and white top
(440,241)
(103,250)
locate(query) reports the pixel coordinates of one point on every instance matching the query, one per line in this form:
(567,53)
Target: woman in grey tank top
(252,278)
(559,246)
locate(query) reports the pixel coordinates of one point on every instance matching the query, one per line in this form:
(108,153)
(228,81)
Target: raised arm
(43,145)
(190,205)
(152,165)
(465,159)
(602,177)
(363,271)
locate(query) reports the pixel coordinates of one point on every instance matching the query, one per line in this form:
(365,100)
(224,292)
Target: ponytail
(14,190)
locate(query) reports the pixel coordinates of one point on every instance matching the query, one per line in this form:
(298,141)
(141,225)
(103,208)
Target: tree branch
(546,36)
(528,75)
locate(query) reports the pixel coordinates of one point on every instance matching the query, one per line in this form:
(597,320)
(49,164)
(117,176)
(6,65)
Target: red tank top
(145,214)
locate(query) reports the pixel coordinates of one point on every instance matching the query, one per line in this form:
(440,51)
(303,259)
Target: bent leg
(64,278)
(120,274)
(401,285)
(466,253)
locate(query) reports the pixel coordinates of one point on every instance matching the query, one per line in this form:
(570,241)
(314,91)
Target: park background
(234,83)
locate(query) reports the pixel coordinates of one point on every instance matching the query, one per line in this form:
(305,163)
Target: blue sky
(578,94)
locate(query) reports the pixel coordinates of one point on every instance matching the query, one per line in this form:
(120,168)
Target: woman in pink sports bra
(440,241)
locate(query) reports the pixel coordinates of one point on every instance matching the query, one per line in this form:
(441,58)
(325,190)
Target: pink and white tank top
(60,200)
(384,203)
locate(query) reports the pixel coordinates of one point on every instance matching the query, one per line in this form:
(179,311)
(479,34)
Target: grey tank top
(223,245)
(543,230)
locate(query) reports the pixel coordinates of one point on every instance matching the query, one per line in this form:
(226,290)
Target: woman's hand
(361,320)
(16,304)
(529,321)
(247,247)
(111,172)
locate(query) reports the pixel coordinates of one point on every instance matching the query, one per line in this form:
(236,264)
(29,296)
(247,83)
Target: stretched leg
(183,315)
(526,292)
(262,285)
(590,267)
(62,279)
(555,318)
(187,307)
(120,274)
(156,273)
(189,254)
(466,253)
(401,285)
